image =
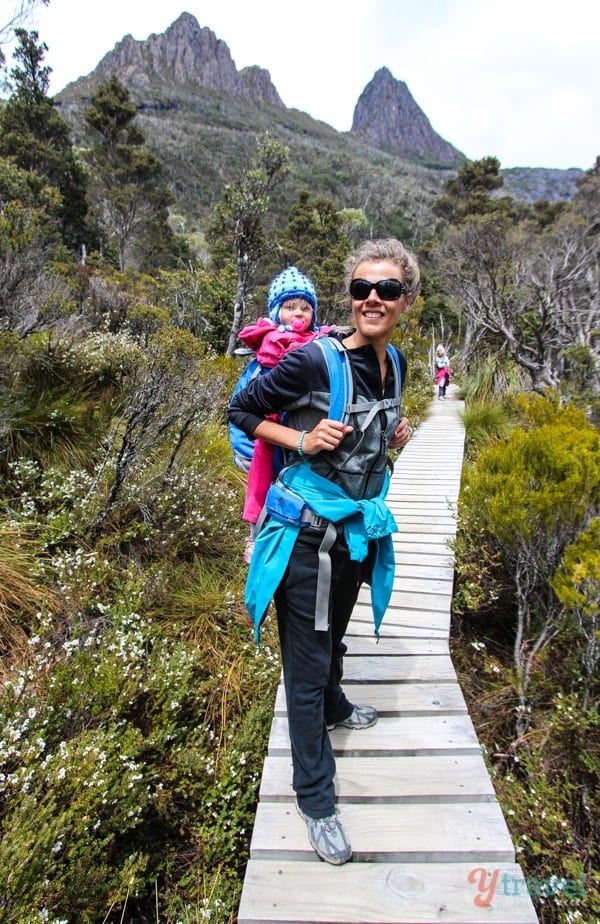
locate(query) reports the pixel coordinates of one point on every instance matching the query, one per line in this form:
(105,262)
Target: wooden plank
(425,492)
(392,645)
(425,565)
(418,479)
(398,833)
(445,493)
(396,614)
(407,538)
(420,618)
(410,600)
(416,519)
(442,588)
(383,893)
(400,735)
(417,533)
(423,470)
(431,526)
(443,778)
(403,500)
(387,669)
(437,500)
(394,626)
(428,497)
(423,571)
(399,698)
(363,610)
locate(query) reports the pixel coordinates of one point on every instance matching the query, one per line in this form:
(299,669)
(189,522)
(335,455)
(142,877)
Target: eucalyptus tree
(31,296)
(236,230)
(17,15)
(470,191)
(528,289)
(315,239)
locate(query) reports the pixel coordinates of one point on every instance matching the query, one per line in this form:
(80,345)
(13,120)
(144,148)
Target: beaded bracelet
(300,442)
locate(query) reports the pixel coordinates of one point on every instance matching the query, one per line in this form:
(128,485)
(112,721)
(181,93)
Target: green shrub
(525,500)
(490,377)
(485,421)
(576,583)
(525,644)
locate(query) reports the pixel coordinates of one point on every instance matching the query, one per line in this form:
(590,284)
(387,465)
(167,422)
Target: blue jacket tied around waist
(364,521)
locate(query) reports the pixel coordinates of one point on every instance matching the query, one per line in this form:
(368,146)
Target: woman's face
(375,317)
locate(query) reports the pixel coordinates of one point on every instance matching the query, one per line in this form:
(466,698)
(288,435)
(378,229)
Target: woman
(340,469)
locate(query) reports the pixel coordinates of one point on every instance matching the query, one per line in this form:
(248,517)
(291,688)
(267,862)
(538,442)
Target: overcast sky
(517,79)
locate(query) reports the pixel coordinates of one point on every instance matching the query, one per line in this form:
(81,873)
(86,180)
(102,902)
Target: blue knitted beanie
(291,283)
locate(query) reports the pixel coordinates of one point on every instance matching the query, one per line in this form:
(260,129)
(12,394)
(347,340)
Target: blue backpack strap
(241,444)
(340,377)
(341,385)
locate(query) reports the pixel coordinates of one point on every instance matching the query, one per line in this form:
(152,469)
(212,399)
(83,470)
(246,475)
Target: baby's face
(296,312)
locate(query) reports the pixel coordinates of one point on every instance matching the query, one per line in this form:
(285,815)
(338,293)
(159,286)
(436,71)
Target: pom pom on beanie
(291,283)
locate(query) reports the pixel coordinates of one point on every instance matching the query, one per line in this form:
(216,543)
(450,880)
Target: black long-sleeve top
(299,386)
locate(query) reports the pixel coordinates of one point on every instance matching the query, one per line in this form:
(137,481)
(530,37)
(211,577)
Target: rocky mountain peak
(185,53)
(386,116)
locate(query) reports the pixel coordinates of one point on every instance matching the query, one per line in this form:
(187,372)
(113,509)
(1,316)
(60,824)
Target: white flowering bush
(107,752)
(134,704)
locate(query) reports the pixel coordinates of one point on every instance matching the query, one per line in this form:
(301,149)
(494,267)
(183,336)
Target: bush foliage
(134,705)
(526,641)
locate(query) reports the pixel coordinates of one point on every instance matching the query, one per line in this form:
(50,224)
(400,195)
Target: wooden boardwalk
(429,839)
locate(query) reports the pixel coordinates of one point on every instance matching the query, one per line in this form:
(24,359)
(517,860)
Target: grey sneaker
(360,717)
(328,838)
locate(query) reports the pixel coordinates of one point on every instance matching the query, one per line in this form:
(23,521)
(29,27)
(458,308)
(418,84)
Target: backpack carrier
(340,392)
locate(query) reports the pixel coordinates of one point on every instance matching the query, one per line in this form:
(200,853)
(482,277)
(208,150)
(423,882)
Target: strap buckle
(309,518)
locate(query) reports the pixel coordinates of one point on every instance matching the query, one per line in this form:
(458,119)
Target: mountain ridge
(187,53)
(199,114)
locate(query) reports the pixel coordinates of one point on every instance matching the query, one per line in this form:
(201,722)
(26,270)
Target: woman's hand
(402,434)
(327,435)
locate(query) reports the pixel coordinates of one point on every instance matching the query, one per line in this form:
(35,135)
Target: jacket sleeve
(299,372)
(253,334)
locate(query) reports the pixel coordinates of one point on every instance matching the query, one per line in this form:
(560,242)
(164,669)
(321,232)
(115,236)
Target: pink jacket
(272,342)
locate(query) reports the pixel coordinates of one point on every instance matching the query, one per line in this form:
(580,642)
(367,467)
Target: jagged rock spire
(387,117)
(185,53)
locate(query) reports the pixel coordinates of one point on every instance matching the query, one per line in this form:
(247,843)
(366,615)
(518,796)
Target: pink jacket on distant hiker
(443,375)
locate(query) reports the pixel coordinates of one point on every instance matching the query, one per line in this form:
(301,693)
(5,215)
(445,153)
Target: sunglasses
(388,290)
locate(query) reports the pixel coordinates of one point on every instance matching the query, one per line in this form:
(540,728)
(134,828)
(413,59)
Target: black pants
(313,664)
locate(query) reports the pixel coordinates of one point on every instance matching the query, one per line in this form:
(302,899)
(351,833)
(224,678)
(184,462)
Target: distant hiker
(328,528)
(442,371)
(292,322)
